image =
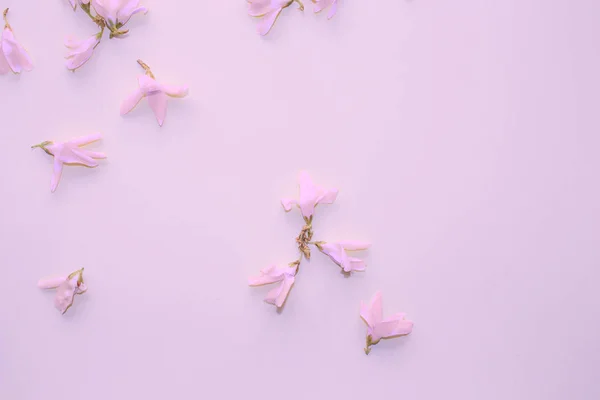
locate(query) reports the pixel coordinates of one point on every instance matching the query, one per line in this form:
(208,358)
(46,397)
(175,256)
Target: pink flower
(13,56)
(156,93)
(117,12)
(320,5)
(268,11)
(80,51)
(272,274)
(70,153)
(379,328)
(337,252)
(310,196)
(66,289)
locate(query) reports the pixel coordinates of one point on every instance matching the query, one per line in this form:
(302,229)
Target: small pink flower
(337,252)
(310,196)
(70,153)
(272,274)
(80,51)
(66,289)
(13,56)
(117,12)
(156,93)
(320,5)
(268,11)
(379,328)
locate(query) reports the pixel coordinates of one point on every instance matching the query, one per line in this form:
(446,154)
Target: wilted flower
(117,13)
(272,274)
(379,328)
(66,289)
(337,252)
(80,51)
(13,56)
(310,196)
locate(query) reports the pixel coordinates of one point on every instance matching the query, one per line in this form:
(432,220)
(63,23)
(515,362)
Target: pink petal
(175,91)
(357,264)
(334,251)
(4,67)
(83,158)
(354,245)
(15,54)
(268,275)
(267,21)
(130,9)
(278,295)
(51,283)
(288,203)
(308,194)
(131,101)
(320,5)
(158,104)
(83,140)
(64,295)
(376,309)
(326,196)
(258,8)
(58,167)
(332,10)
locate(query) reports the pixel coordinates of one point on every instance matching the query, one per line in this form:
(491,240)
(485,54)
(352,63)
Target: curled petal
(15,54)
(332,10)
(87,139)
(267,21)
(278,295)
(131,101)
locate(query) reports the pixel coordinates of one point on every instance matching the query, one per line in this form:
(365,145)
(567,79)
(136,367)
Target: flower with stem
(379,328)
(337,251)
(13,56)
(70,153)
(66,289)
(156,93)
(268,11)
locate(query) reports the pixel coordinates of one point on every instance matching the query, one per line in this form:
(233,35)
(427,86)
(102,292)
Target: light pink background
(464,136)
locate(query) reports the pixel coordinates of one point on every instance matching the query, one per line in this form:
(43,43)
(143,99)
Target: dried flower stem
(6,24)
(369,344)
(146,68)
(43,146)
(303,240)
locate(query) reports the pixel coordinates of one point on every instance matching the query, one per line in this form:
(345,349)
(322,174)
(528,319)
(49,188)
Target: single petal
(64,295)
(354,245)
(129,10)
(83,158)
(271,274)
(308,194)
(333,250)
(357,264)
(288,203)
(320,5)
(15,54)
(267,21)
(87,139)
(158,104)
(392,327)
(365,314)
(4,67)
(278,295)
(326,196)
(345,262)
(148,85)
(175,91)
(376,309)
(51,283)
(131,101)
(332,10)
(58,167)
(93,154)
(258,8)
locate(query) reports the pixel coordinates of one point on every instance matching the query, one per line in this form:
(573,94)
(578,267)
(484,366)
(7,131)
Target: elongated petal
(175,91)
(326,196)
(93,154)
(83,158)
(131,101)
(357,264)
(129,11)
(258,8)
(392,327)
(278,295)
(51,283)
(158,103)
(15,54)
(4,67)
(332,10)
(376,309)
(288,203)
(354,245)
(87,139)
(268,275)
(334,251)
(64,295)
(267,21)
(320,5)
(58,167)
(148,85)
(365,314)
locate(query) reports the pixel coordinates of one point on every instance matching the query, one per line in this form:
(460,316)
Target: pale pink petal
(129,10)
(320,5)
(4,67)
(365,314)
(376,309)
(258,8)
(345,262)
(105,10)
(64,294)
(288,203)
(87,139)
(15,54)
(175,91)
(333,250)
(268,275)
(83,158)
(327,196)
(332,10)
(58,167)
(51,283)
(131,101)
(354,245)
(392,327)
(148,85)
(267,21)
(158,104)
(308,194)
(73,3)
(357,264)
(278,295)
(93,154)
